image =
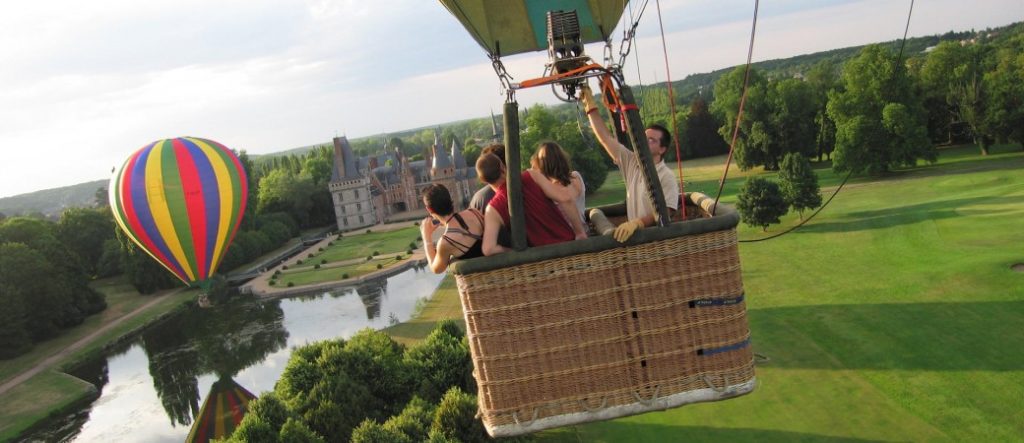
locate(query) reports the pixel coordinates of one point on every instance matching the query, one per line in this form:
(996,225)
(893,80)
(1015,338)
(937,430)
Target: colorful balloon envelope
(181,201)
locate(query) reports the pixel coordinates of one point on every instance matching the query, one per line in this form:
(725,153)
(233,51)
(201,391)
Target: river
(152,388)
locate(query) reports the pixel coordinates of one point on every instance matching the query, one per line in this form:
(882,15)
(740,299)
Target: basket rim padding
(726,218)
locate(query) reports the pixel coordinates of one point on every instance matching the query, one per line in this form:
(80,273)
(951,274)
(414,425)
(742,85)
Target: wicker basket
(593,330)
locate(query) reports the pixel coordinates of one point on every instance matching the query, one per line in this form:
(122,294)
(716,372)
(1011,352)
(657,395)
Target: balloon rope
(672,107)
(739,114)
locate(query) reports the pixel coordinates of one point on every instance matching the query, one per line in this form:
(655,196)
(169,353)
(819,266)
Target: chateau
(367,190)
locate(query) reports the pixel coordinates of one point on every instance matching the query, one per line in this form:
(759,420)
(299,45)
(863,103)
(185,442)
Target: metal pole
(513,181)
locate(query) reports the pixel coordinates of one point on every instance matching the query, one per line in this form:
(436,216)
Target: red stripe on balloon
(192,188)
(133,219)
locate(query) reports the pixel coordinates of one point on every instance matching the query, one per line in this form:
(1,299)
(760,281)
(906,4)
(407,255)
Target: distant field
(893,315)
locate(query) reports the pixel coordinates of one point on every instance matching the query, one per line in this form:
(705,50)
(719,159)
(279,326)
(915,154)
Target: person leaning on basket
(463,233)
(639,209)
(545,224)
(552,171)
(486,193)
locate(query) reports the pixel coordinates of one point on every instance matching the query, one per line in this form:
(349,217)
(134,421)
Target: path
(51,360)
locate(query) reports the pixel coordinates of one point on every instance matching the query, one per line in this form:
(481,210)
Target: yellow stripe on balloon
(220,170)
(158,205)
(218,421)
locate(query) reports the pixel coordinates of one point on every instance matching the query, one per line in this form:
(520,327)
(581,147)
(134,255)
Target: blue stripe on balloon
(211,199)
(140,202)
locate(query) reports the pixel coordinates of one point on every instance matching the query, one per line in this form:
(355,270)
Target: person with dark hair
(485,194)
(463,231)
(545,224)
(640,211)
(552,170)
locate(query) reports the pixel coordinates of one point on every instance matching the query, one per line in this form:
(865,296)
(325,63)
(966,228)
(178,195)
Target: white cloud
(86,83)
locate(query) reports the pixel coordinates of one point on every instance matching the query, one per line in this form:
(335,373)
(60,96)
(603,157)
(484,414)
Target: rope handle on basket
(725,383)
(654,397)
(604,403)
(536,413)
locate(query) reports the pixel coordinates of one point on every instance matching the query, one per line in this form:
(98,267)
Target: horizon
(278,78)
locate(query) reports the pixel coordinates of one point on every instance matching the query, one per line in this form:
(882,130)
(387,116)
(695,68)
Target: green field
(309,275)
(893,315)
(361,245)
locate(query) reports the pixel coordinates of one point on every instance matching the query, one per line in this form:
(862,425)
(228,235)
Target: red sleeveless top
(545,223)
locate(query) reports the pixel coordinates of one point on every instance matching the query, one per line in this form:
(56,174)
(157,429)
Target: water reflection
(151,389)
(222,340)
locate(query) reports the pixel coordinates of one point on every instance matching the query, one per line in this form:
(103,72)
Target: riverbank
(34,386)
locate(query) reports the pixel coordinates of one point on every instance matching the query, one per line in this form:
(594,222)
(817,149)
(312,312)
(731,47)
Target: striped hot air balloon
(181,201)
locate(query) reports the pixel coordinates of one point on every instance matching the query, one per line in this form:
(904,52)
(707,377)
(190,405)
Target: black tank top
(476,249)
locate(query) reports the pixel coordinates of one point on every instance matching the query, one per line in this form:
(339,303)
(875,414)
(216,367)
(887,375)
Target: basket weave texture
(609,333)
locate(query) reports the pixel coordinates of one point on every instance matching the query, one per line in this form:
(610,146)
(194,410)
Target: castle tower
(350,191)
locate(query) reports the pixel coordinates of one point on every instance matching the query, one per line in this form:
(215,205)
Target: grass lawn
(27,403)
(308,275)
(362,245)
(442,305)
(893,315)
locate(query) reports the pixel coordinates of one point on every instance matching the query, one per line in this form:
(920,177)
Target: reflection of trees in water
(370,292)
(223,339)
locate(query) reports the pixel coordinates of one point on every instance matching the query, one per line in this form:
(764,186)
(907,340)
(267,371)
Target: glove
(626,230)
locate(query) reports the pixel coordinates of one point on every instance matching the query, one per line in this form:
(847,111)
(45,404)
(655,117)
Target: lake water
(152,388)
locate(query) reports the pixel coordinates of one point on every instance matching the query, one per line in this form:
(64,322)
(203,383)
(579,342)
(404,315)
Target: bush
(310,255)
(440,362)
(412,245)
(455,418)
(398,257)
(799,183)
(285,267)
(316,266)
(320,249)
(290,284)
(294,431)
(416,223)
(298,262)
(368,230)
(414,421)
(369,257)
(323,261)
(330,243)
(376,253)
(761,203)
(345,276)
(409,252)
(370,431)
(379,266)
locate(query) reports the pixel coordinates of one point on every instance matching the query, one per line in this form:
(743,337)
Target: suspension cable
(899,59)
(672,108)
(739,114)
(636,55)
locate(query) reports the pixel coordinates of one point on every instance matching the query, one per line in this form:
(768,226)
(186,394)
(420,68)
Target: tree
(700,137)
(728,94)
(761,202)
(438,363)
(14,337)
(455,418)
(144,272)
(83,232)
(799,183)
(282,191)
(1005,111)
(880,122)
(956,72)
(370,431)
(823,78)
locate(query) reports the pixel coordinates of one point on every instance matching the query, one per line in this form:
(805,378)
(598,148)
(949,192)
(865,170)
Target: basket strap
(586,407)
(536,413)
(650,401)
(725,383)
(716,301)
(726,348)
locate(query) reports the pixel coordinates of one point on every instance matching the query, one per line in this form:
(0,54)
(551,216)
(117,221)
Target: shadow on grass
(617,431)
(913,336)
(904,215)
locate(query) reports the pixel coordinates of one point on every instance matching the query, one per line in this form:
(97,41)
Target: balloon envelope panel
(181,201)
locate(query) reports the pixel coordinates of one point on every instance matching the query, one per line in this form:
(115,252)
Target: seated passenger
(463,230)
(545,224)
(485,194)
(551,169)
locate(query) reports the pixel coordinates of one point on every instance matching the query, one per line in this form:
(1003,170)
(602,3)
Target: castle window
(357,193)
(359,206)
(360,219)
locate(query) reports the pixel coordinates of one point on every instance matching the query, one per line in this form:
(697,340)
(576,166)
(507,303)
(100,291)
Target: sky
(84,84)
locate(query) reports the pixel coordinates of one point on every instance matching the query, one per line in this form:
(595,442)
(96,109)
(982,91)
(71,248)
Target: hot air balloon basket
(611,330)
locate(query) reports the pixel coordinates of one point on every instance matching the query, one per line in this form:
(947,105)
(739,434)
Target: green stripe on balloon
(175,194)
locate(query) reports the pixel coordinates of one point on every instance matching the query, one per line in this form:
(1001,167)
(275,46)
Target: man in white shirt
(640,211)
